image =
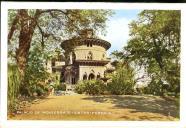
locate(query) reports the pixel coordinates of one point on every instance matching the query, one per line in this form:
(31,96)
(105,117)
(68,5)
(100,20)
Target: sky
(117,28)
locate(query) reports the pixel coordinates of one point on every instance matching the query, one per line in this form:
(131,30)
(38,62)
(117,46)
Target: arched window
(98,76)
(85,76)
(91,76)
(103,56)
(90,56)
(90,44)
(73,81)
(73,57)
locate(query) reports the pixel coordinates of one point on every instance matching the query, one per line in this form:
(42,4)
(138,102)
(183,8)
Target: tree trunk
(28,25)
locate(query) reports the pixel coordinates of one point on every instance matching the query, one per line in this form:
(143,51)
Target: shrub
(91,87)
(80,87)
(146,90)
(61,87)
(122,81)
(156,87)
(94,87)
(120,89)
(13,86)
(40,91)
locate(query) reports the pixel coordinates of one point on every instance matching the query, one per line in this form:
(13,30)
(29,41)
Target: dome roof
(83,41)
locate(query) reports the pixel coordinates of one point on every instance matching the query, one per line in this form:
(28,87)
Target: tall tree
(155,45)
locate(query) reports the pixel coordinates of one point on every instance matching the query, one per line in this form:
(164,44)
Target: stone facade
(97,71)
(82,52)
(86,60)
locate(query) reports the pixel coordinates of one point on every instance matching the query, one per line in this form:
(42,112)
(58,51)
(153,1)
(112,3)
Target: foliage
(80,87)
(13,86)
(36,75)
(155,45)
(122,80)
(122,83)
(61,87)
(55,79)
(91,87)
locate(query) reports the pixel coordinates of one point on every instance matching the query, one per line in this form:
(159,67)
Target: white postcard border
(71,5)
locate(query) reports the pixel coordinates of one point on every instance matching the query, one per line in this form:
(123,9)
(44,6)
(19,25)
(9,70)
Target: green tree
(155,45)
(122,80)
(35,73)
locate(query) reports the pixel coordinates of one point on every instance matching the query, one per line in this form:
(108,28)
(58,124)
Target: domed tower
(86,57)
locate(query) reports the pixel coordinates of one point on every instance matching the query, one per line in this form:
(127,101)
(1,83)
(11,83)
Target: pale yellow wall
(59,63)
(88,70)
(82,52)
(49,67)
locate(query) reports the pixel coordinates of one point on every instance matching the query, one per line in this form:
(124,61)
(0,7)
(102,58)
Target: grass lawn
(108,107)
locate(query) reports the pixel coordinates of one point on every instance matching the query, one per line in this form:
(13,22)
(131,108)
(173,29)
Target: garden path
(108,107)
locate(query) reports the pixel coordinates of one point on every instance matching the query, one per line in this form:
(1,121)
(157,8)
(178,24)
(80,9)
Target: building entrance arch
(91,76)
(85,76)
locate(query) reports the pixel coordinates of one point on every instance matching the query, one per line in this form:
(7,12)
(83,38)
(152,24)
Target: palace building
(85,58)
